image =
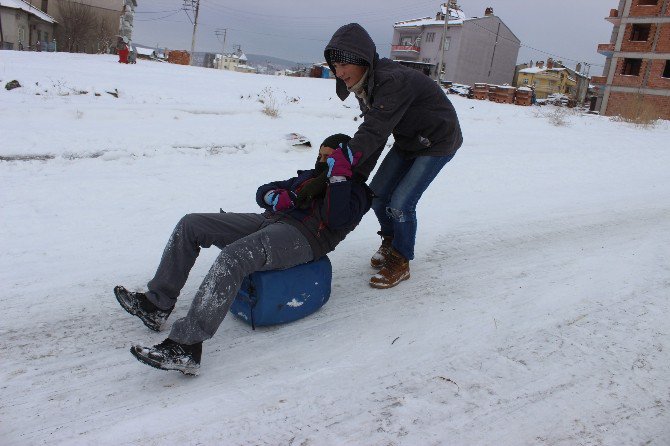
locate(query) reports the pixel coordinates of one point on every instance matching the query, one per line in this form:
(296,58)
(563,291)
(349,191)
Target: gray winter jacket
(401,101)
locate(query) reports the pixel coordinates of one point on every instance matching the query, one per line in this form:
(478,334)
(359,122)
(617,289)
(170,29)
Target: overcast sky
(297,30)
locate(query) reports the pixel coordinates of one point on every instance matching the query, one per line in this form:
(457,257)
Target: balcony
(406,48)
(598,80)
(405,52)
(606,49)
(614,18)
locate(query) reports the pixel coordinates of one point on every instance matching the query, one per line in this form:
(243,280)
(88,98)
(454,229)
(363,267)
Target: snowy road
(496,327)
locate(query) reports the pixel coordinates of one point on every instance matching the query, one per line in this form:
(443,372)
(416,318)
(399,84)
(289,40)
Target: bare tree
(77,26)
(105,33)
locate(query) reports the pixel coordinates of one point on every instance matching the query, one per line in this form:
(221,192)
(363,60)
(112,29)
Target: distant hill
(261,60)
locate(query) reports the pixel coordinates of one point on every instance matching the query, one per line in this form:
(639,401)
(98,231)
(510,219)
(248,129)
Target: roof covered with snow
(456,17)
(535,70)
(145,51)
(30,9)
(532,70)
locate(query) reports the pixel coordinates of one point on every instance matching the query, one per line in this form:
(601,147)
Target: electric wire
(215,7)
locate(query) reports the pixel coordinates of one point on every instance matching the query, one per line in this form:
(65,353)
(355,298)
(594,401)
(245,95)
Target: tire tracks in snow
(464,271)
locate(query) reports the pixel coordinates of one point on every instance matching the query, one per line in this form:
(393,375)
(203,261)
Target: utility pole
(444,38)
(2,37)
(222,32)
(195,5)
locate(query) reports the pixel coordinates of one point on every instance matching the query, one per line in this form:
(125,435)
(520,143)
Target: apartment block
(474,49)
(637,68)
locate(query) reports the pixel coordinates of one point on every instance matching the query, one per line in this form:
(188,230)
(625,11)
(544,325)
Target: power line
(156,12)
(330,19)
(155,19)
(558,57)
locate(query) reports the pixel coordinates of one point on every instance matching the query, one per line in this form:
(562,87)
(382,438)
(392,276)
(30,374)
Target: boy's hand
(279,199)
(341,161)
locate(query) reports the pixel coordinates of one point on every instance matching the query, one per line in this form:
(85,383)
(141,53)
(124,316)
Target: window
(640,33)
(631,67)
(647,2)
(447,43)
(22,35)
(430,37)
(406,41)
(666,72)
(426,60)
(45,5)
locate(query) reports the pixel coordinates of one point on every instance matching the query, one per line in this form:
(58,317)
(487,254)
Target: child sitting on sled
(305,218)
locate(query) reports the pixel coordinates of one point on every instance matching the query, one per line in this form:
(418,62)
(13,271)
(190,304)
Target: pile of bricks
(481,91)
(503,94)
(523,96)
(493,91)
(179,57)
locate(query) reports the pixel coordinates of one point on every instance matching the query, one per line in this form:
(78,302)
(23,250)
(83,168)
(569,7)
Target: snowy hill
(537,312)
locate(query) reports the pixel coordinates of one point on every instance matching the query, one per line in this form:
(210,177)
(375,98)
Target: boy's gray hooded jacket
(401,101)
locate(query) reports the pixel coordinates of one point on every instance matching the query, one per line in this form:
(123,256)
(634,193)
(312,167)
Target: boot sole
(190,371)
(383,286)
(120,299)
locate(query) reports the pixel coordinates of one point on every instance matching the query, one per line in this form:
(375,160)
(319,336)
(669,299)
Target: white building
(232,62)
(474,50)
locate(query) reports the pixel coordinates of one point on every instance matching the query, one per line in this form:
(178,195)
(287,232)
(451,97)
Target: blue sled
(281,296)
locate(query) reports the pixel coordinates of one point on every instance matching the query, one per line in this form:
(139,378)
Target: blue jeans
(398,185)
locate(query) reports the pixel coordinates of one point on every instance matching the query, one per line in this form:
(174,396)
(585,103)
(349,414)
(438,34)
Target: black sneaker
(170,355)
(138,305)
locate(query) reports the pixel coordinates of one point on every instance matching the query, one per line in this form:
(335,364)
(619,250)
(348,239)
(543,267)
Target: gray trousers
(248,243)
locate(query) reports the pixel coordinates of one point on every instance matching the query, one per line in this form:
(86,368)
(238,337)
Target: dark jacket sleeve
(344,205)
(264,189)
(392,98)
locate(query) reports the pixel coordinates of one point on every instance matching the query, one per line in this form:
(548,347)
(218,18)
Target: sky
(298,30)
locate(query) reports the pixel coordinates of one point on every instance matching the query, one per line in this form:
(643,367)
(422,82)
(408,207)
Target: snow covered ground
(537,312)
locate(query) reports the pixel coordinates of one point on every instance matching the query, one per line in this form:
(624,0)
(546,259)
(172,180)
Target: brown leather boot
(377,260)
(394,271)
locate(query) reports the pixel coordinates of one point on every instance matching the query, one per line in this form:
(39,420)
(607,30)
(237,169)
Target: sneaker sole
(190,371)
(383,286)
(119,298)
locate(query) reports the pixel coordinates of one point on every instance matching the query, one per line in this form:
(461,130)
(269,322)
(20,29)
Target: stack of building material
(179,57)
(492,92)
(505,94)
(481,91)
(523,96)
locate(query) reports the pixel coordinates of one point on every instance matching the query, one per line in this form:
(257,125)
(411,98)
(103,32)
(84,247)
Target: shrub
(270,104)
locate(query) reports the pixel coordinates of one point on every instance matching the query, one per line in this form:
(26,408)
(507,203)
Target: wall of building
(622,104)
(429,50)
(663,44)
(452,60)
(33,29)
(480,59)
(12,20)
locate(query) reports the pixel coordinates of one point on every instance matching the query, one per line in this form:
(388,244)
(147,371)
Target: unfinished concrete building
(637,69)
